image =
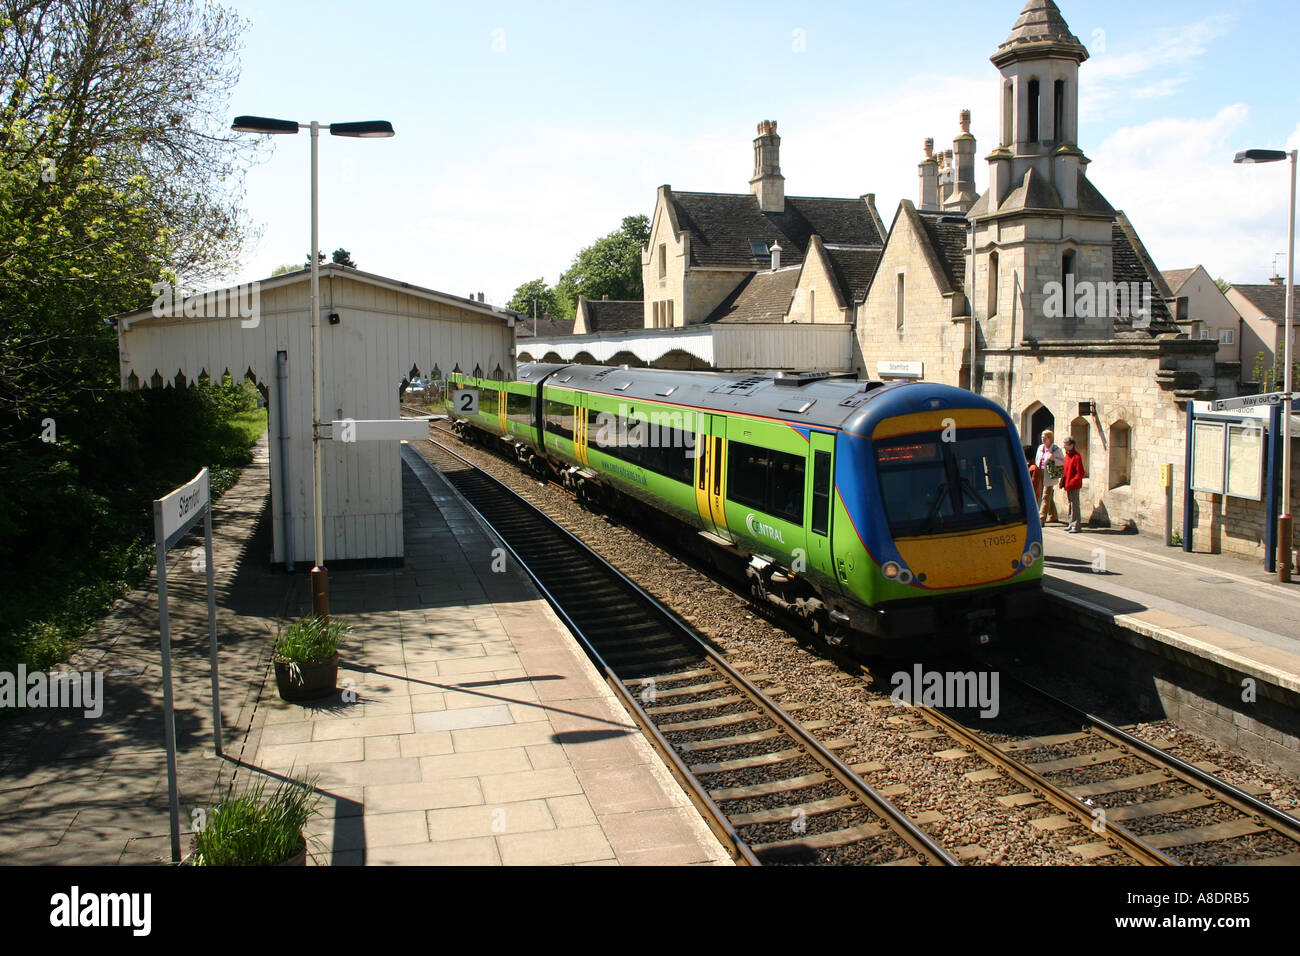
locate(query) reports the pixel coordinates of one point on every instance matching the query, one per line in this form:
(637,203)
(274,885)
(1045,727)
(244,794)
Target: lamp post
(1284,519)
(369,129)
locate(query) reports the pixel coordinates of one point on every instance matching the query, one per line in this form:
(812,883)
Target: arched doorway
(1036,419)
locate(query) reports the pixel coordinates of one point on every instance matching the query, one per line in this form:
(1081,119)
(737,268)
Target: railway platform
(468,728)
(1211,641)
(1221,607)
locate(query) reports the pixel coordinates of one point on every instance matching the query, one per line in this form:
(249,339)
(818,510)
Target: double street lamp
(1284,519)
(369,129)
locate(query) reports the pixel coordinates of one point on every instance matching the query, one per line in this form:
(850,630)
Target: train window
(770,481)
(656,447)
(519,408)
(821,508)
(489,401)
(559,418)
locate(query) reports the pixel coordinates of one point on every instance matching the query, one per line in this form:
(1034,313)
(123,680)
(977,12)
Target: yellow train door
(710,476)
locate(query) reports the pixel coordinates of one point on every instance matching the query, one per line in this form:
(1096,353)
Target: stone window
(1182,308)
(1033,111)
(1080,431)
(1067,270)
(898,308)
(1058,111)
(993,284)
(1227,336)
(1121,454)
(812,305)
(1008,101)
(663,260)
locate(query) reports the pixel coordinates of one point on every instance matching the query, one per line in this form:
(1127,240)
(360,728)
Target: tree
(320,257)
(344,258)
(287,267)
(610,266)
(535,291)
(116,170)
(1223,285)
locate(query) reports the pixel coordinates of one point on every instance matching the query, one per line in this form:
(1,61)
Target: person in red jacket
(1072,481)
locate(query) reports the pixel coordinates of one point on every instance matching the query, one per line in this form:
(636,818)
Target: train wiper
(934,508)
(992,515)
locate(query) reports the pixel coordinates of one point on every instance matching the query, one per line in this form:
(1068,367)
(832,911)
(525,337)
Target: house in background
(1263,315)
(1204,312)
(744,281)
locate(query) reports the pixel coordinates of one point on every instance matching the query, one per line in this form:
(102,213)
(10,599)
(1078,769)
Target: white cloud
(1108,75)
(1189,202)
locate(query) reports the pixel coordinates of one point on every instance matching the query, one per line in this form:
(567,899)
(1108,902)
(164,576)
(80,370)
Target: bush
(252,830)
(76,523)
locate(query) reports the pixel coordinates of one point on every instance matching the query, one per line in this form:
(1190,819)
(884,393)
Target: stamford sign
(900,369)
(180,508)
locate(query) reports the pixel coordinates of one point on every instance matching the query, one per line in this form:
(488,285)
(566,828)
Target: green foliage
(1223,284)
(610,266)
(344,258)
(309,640)
(535,289)
(76,524)
(282,269)
(255,830)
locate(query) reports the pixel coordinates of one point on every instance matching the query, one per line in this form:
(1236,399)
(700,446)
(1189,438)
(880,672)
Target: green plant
(309,640)
(1176,539)
(255,830)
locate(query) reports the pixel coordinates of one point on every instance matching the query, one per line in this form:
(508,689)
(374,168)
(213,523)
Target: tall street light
(1284,519)
(369,129)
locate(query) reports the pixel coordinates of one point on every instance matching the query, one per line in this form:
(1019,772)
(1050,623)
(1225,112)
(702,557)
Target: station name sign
(184,506)
(900,369)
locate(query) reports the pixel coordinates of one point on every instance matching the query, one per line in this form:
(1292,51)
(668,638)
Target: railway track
(1123,796)
(770,790)
(1131,795)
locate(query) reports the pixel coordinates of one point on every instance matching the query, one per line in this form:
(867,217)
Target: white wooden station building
(376,333)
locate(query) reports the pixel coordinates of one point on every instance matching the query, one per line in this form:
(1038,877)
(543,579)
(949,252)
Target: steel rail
(898,822)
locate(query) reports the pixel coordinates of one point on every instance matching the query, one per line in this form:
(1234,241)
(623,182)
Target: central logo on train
(758,529)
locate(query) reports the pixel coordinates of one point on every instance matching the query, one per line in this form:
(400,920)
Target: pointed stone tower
(1040,221)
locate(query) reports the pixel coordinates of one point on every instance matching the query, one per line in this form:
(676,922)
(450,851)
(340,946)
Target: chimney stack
(962,196)
(928,171)
(768,184)
(776,256)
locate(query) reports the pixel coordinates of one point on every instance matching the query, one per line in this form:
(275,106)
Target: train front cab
(941,502)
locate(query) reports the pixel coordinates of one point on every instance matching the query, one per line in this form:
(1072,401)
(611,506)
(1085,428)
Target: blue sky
(525,131)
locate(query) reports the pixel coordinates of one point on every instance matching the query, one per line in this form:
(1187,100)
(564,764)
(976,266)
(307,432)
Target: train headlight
(894,571)
(1036,549)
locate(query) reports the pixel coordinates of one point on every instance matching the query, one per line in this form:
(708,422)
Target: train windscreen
(932,486)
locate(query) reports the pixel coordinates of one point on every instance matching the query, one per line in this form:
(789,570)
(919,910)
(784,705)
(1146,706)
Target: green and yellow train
(883,514)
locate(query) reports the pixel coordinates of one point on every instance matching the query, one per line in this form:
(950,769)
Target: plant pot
(318,679)
(299,857)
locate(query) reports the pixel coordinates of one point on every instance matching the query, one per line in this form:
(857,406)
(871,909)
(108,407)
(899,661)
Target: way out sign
(173,516)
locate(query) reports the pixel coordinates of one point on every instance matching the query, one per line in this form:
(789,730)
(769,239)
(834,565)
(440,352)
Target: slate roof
(1176,277)
(1130,262)
(614,315)
(722,226)
(544,326)
(949,236)
(854,268)
(761,297)
(1270,299)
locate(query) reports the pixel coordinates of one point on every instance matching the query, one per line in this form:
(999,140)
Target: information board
(1207,457)
(1245,462)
